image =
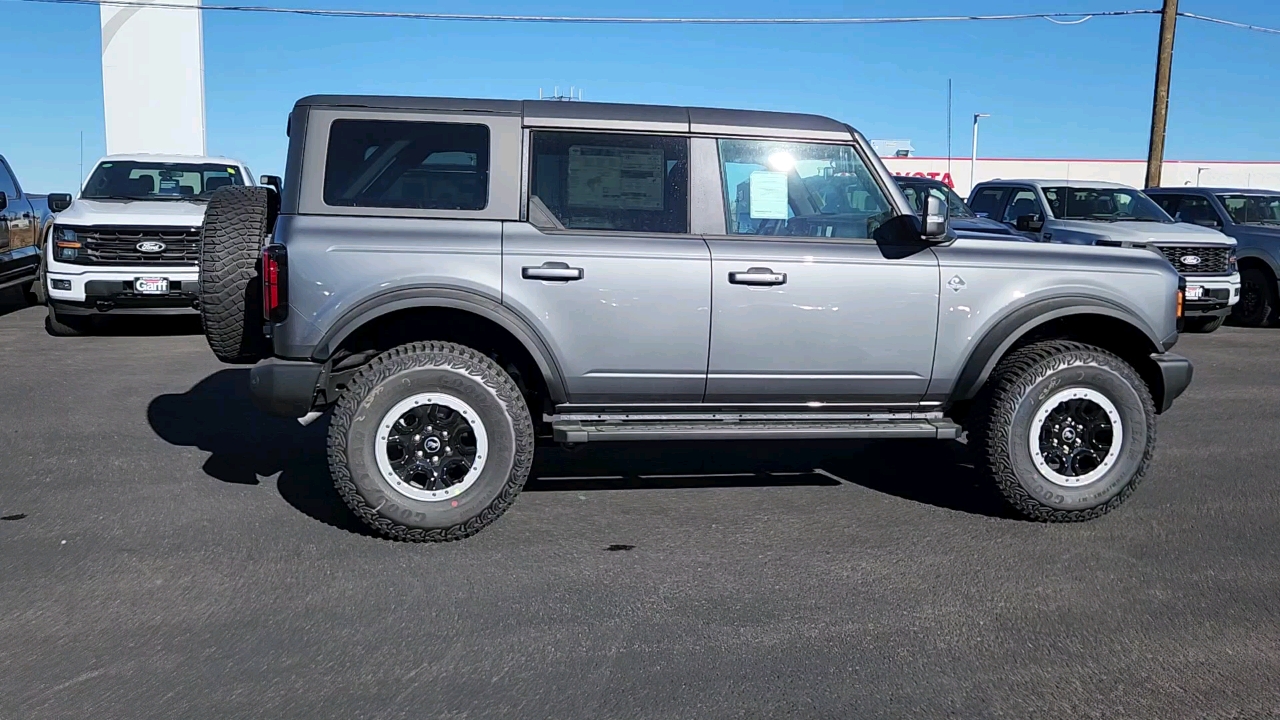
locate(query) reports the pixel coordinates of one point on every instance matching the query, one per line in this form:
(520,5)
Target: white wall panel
(153,79)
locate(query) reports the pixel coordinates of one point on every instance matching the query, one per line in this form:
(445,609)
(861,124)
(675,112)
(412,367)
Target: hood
(1146,232)
(163,213)
(980,224)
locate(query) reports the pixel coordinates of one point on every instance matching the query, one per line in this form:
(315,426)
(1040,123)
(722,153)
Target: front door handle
(554,271)
(759,277)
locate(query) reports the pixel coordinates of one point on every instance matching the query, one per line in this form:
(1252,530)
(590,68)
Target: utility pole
(1160,105)
(973,159)
(949,127)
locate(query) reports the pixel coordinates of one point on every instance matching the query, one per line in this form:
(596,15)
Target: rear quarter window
(405,164)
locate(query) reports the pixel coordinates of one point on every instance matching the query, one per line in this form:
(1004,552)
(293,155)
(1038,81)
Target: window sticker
(616,178)
(769,195)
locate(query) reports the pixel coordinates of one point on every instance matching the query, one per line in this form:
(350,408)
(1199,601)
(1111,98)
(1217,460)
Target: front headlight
(1232,267)
(66,244)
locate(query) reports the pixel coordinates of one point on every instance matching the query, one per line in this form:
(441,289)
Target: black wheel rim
(1251,301)
(431,447)
(1076,437)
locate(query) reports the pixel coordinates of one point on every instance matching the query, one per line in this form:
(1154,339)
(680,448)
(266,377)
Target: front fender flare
(445,297)
(1017,323)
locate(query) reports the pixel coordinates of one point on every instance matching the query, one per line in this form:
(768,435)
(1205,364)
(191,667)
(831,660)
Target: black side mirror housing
(271,181)
(934,224)
(1029,223)
(4,200)
(59,202)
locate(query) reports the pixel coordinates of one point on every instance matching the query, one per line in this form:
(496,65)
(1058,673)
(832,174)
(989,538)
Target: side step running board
(580,431)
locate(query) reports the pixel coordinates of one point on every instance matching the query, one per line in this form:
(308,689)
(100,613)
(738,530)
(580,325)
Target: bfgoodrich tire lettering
(1021,384)
(408,371)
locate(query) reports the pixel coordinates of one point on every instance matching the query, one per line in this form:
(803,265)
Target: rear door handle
(760,277)
(554,271)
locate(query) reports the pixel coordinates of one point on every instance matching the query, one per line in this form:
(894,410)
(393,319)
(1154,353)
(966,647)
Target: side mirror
(1029,223)
(59,202)
(271,181)
(934,224)
(4,200)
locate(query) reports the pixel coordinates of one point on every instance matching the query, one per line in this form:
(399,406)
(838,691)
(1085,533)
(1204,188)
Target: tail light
(275,283)
(1182,296)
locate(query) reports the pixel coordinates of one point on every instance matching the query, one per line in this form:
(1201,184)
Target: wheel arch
(1083,319)
(405,302)
(1257,259)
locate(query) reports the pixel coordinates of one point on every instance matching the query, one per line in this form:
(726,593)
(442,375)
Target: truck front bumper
(91,289)
(286,388)
(1175,377)
(1217,295)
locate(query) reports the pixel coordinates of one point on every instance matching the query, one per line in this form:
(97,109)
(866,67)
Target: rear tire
(1258,302)
(236,225)
(398,447)
(1066,431)
(65,325)
(1204,324)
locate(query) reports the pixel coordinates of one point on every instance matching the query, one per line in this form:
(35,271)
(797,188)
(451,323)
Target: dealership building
(1176,173)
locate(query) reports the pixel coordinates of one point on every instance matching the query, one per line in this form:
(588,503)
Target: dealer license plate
(151,286)
(1194,292)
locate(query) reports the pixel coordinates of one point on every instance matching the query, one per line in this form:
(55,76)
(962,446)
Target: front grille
(1212,260)
(119,246)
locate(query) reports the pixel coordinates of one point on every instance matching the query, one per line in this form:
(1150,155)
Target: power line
(1059,18)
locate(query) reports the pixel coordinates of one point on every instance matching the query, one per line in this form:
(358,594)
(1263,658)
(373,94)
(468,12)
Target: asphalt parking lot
(168,552)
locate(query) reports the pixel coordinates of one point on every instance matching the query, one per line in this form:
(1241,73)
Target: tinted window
(799,189)
(1196,210)
(398,164)
(1252,209)
(7,184)
(1104,204)
(1024,202)
(137,180)
(595,181)
(915,195)
(988,201)
(1167,203)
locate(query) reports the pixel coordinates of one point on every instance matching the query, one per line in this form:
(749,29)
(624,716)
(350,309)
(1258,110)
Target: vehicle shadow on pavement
(932,472)
(246,445)
(144,326)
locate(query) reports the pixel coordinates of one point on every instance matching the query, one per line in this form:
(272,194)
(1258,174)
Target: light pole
(973,161)
(1198,171)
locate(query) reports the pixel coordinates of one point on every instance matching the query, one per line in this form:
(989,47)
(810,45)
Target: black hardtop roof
(691,118)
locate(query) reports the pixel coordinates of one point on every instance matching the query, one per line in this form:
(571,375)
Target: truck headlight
(66,244)
(1231,263)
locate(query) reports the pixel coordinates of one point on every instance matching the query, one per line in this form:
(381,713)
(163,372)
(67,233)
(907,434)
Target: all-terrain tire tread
(422,355)
(992,423)
(230,242)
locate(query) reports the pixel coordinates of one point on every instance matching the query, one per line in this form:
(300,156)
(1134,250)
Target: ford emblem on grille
(1185,259)
(151,246)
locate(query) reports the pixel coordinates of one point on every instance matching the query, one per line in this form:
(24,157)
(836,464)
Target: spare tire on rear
(236,225)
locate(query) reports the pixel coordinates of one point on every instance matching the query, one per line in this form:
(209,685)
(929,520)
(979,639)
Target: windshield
(1103,205)
(134,180)
(1252,209)
(915,195)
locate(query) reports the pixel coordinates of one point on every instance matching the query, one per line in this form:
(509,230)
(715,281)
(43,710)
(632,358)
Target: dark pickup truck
(24,220)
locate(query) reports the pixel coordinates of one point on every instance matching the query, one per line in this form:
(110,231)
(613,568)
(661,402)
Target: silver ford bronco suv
(457,281)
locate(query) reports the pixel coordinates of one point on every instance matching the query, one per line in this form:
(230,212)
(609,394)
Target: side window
(1197,210)
(1023,202)
(597,181)
(988,201)
(1167,203)
(7,184)
(799,189)
(404,164)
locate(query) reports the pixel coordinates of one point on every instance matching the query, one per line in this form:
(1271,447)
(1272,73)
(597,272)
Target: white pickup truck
(130,243)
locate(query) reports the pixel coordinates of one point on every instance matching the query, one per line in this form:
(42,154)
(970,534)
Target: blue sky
(1079,91)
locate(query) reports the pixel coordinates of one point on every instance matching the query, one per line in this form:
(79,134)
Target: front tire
(1204,324)
(431,442)
(1066,431)
(65,325)
(1258,302)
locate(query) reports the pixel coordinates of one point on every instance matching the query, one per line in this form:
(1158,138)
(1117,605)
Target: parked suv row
(1098,213)
(456,281)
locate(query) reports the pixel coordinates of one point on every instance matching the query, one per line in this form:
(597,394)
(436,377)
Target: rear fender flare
(442,297)
(1017,323)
